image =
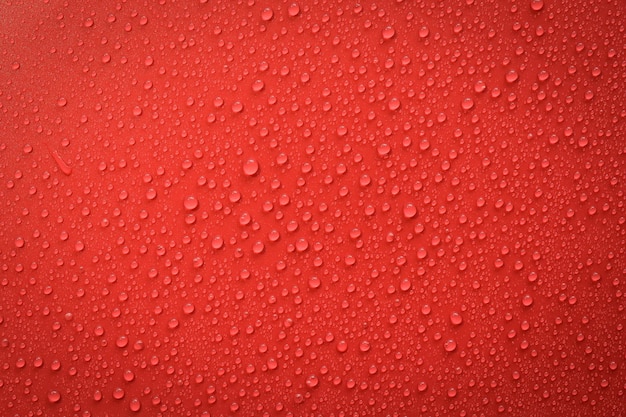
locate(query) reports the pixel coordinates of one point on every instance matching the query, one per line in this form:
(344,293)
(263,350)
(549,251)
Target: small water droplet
(135,405)
(294,9)
(467,103)
(267,14)
(527,300)
(314,282)
(449,345)
(118,393)
(342,346)
(409,211)
(191,203)
(54,396)
(511,76)
(251,167)
(388,32)
(258,85)
(536,5)
(394,103)
(364,346)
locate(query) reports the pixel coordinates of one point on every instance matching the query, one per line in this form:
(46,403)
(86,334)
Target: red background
(321,208)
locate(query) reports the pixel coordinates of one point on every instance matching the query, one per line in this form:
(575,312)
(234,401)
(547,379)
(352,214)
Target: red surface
(321,208)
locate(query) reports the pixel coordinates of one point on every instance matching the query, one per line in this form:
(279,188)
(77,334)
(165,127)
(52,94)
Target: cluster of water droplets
(312,208)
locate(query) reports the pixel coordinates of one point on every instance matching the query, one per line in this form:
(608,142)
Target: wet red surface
(312,208)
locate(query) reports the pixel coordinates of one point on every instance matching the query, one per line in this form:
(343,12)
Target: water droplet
(118,393)
(122,342)
(251,167)
(388,33)
(54,396)
(312,381)
(314,282)
(527,300)
(536,5)
(409,211)
(129,375)
(384,149)
(217,242)
(294,9)
(258,247)
(342,346)
(237,107)
(480,86)
(467,103)
(191,203)
(455,318)
(394,103)
(267,14)
(272,363)
(258,85)
(364,346)
(450,345)
(511,76)
(135,405)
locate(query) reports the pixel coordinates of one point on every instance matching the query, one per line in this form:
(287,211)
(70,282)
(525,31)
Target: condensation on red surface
(331,208)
